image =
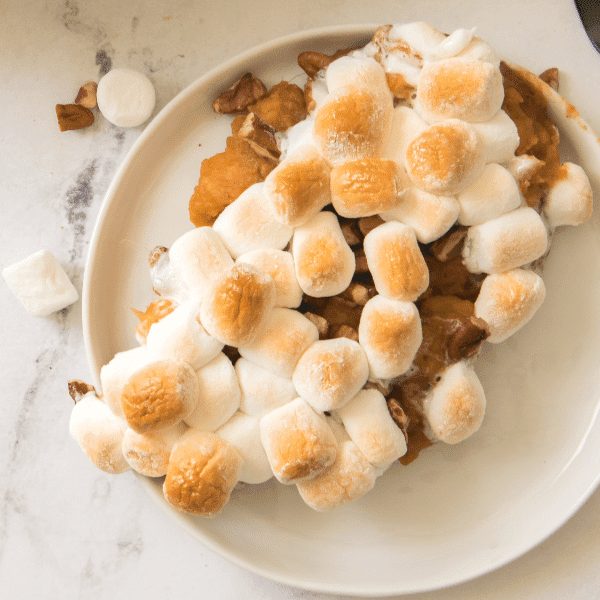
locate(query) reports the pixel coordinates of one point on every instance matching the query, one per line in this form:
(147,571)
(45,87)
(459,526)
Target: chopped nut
(320,322)
(361,262)
(398,414)
(312,62)
(467,340)
(73,116)
(450,245)
(314,302)
(367,224)
(78,389)
(550,76)
(87,95)
(351,233)
(356,292)
(385,390)
(260,136)
(345,331)
(240,95)
(282,107)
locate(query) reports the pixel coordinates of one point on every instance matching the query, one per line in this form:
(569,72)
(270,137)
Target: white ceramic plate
(455,513)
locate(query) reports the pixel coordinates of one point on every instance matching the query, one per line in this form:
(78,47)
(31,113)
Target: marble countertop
(66,529)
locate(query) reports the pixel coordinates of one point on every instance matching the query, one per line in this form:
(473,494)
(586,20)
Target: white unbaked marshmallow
(248,223)
(506,242)
(219,395)
(126,97)
(499,136)
(369,424)
(569,201)
(40,284)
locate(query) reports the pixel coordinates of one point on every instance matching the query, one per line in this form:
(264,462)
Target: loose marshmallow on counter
(494,193)
(455,407)
(279,264)
(506,242)
(398,268)
(40,284)
(390,334)
(298,188)
(429,215)
(499,136)
(243,433)
(126,97)
(369,424)
(507,301)
(569,201)
(282,341)
(248,223)
(219,395)
(149,454)
(331,372)
(350,477)
(351,70)
(324,262)
(99,433)
(406,126)
(180,336)
(238,305)
(299,443)
(445,158)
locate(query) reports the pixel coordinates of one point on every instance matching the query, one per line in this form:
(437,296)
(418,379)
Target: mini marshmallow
(238,305)
(420,36)
(362,188)
(507,301)
(359,71)
(126,97)
(506,242)
(284,338)
(298,442)
(115,374)
(40,284)
(455,407)
(398,268)
(499,136)
(180,336)
(369,424)
(493,194)
(149,454)
(219,395)
(324,262)
(298,188)
(454,88)
(523,167)
(350,477)
(569,201)
(406,126)
(248,223)
(243,433)
(445,158)
(451,45)
(261,390)
(479,49)
(99,434)
(390,334)
(429,215)
(331,372)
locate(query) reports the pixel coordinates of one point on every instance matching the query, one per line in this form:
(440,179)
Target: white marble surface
(66,529)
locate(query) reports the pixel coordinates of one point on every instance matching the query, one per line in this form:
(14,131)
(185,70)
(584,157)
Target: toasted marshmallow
(243,433)
(451,45)
(280,266)
(369,424)
(479,49)
(298,442)
(202,473)
(324,262)
(331,372)
(445,158)
(420,36)
(506,242)
(569,200)
(395,261)
(494,193)
(148,453)
(455,407)
(507,301)
(406,126)
(159,395)
(429,215)
(350,477)
(238,305)
(365,187)
(219,395)
(454,88)
(262,390)
(353,70)
(390,334)
(197,259)
(284,338)
(352,123)
(499,136)
(248,223)
(180,336)
(114,376)
(99,433)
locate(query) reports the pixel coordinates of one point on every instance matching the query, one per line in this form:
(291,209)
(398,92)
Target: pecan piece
(78,389)
(357,293)
(467,339)
(450,245)
(87,95)
(73,116)
(312,62)
(345,331)
(240,95)
(260,136)
(320,322)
